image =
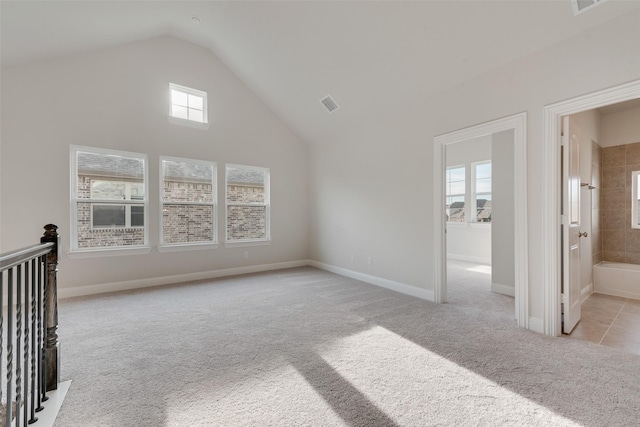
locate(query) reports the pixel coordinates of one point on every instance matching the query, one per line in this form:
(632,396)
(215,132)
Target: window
(188,104)
(482,191)
(455,193)
(247,197)
(188,194)
(109,199)
(635,199)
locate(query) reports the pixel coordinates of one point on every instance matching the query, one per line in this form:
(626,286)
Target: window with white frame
(188,104)
(455,193)
(482,191)
(109,199)
(247,199)
(188,194)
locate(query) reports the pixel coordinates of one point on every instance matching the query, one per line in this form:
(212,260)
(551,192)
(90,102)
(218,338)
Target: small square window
(188,104)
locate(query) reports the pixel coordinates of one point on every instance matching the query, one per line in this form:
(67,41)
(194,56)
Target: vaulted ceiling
(372,57)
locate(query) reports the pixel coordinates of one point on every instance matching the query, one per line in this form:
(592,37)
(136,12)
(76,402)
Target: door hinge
(564,298)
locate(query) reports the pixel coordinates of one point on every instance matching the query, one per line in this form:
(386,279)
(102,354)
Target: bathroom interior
(609,152)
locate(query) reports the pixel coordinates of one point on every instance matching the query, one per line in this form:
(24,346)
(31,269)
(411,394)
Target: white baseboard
(52,406)
(378,281)
(170,280)
(479,260)
(503,289)
(536,325)
(586,292)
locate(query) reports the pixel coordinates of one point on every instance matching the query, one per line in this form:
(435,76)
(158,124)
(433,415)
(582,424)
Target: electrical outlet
(370,260)
(353,258)
(246,254)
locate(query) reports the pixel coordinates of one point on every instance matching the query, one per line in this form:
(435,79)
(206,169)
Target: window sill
(105,252)
(240,243)
(187,247)
(480,225)
(457,225)
(188,123)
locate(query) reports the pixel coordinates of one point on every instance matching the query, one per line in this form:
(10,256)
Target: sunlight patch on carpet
(264,395)
(480,268)
(380,364)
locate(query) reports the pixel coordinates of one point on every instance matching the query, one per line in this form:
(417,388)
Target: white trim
(104,252)
(586,292)
(174,279)
(188,123)
(468,258)
(517,123)
(242,243)
(551,190)
(503,289)
(536,325)
(186,247)
(55,398)
(378,281)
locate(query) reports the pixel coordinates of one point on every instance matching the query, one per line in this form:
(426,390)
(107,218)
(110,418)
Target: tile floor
(610,321)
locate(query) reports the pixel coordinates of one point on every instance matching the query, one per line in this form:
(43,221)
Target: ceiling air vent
(329,103)
(580,6)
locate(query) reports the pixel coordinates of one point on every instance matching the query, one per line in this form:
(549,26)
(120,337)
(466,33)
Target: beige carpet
(303,347)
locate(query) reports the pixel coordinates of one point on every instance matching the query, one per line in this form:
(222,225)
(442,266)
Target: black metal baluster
(34,390)
(25,347)
(9,405)
(18,341)
(43,361)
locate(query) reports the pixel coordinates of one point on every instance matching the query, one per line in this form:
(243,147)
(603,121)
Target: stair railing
(29,348)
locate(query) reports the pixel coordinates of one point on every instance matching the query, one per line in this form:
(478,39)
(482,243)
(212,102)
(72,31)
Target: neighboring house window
(188,194)
(455,194)
(247,198)
(188,104)
(109,198)
(482,191)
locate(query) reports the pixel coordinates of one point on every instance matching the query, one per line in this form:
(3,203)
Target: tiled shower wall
(620,242)
(596,173)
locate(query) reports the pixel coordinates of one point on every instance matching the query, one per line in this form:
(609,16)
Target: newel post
(52,346)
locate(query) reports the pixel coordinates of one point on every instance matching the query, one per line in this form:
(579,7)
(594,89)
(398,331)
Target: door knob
(582,234)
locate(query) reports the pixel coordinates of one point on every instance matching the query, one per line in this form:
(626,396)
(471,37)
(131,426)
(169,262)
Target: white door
(571,232)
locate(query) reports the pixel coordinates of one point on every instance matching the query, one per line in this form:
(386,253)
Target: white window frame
(635,175)
(475,193)
(267,204)
(185,246)
(204,124)
(74,201)
(463,195)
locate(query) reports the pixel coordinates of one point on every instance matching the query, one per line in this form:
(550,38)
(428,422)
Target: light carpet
(304,347)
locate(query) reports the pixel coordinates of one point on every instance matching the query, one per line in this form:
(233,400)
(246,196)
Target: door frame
(517,123)
(551,182)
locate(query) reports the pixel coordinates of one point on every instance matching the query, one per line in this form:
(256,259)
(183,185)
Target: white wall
(467,241)
(118,99)
(589,124)
(502,215)
(371,185)
(621,128)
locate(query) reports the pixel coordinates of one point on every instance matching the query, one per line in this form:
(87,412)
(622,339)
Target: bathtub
(615,278)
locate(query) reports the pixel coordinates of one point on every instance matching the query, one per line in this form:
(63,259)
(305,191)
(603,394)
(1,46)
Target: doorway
(516,125)
(554,246)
